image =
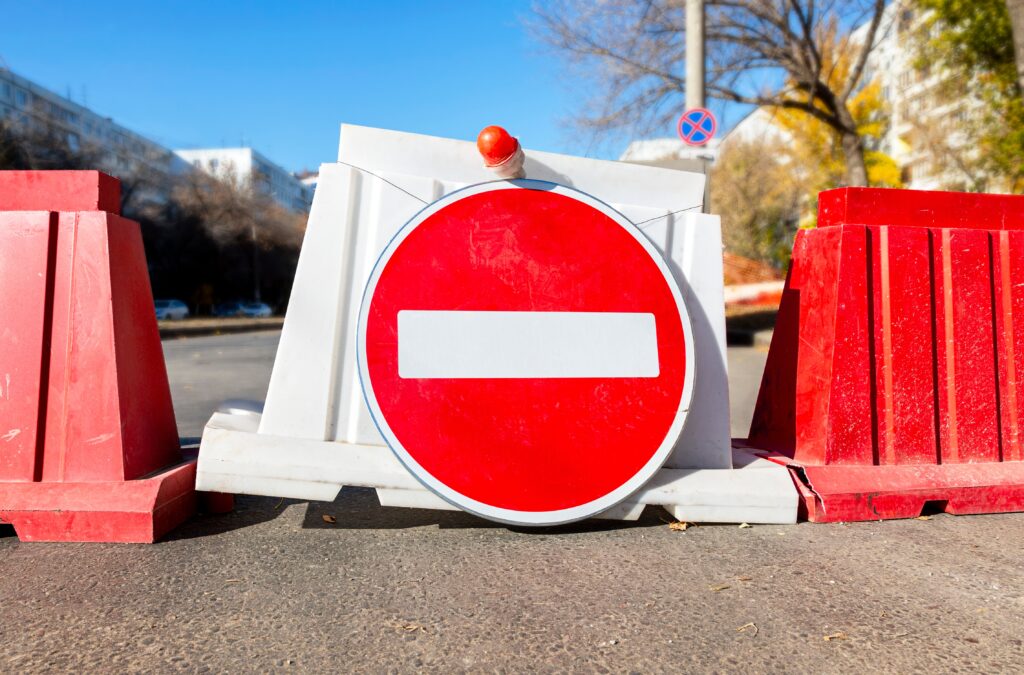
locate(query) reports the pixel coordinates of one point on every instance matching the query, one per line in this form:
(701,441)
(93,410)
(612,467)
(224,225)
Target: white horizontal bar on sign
(506,345)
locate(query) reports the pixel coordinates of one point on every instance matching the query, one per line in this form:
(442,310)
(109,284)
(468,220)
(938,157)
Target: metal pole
(255,266)
(695,75)
(694,53)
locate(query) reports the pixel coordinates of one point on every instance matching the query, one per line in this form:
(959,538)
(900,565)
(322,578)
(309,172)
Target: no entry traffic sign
(525,352)
(697,126)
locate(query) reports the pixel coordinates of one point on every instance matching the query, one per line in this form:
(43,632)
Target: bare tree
(760,52)
(205,238)
(37,140)
(954,161)
(147,178)
(231,209)
(12,150)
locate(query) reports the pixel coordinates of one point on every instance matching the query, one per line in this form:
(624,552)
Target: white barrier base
(236,459)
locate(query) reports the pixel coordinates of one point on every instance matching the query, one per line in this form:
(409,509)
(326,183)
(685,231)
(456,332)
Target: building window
(906,18)
(6,89)
(73,142)
(20,98)
(214,164)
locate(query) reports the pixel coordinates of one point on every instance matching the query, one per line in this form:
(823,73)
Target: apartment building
(249,167)
(926,119)
(119,150)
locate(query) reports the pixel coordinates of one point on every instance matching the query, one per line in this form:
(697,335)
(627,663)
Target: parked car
(170,309)
(252,310)
(257,310)
(229,309)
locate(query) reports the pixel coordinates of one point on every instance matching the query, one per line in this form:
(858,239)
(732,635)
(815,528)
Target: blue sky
(280,76)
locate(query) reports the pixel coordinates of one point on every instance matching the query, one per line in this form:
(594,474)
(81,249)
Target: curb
(749,326)
(199,327)
(763,338)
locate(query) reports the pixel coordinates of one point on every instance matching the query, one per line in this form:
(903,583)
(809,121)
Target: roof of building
(738,269)
(662,149)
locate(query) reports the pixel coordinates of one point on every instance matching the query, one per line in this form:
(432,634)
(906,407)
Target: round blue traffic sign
(697,126)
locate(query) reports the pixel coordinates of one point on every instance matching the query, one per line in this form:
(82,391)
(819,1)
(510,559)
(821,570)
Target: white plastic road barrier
(316,433)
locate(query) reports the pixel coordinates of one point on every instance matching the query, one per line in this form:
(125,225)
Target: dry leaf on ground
(408,626)
(329,519)
(744,525)
(744,627)
(719,587)
(835,636)
(679,526)
(744,578)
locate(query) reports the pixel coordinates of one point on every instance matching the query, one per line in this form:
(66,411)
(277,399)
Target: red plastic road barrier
(89,448)
(60,191)
(895,379)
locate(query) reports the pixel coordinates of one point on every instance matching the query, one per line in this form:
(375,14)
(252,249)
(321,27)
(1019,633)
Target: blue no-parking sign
(697,126)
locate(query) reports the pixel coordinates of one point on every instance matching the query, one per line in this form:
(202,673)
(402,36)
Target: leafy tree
(974,41)
(759,201)
(817,148)
(762,201)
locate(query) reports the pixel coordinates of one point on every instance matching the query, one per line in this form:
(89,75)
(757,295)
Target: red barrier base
(135,511)
(840,493)
(849,493)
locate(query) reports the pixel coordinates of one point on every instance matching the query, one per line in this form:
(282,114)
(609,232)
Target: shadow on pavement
(358,509)
(248,511)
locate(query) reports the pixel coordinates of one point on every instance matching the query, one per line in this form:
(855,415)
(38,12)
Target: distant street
(206,370)
(274,586)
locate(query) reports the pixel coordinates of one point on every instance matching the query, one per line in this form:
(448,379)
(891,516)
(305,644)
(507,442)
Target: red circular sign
(524,350)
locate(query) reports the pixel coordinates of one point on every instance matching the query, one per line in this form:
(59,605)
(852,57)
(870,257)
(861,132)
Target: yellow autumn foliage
(816,146)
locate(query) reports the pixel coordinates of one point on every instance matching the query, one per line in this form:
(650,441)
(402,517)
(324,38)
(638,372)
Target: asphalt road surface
(273,586)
